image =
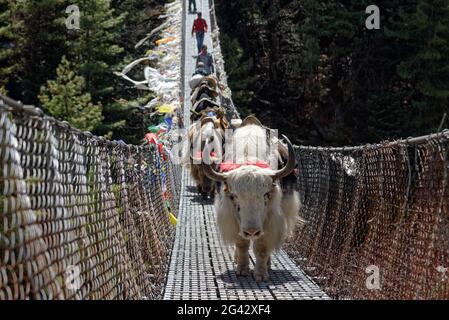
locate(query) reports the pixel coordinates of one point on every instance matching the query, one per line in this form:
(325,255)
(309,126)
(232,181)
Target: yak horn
(290,166)
(212,174)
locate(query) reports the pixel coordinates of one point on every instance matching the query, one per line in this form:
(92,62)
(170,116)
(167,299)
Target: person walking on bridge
(192,3)
(206,59)
(200,28)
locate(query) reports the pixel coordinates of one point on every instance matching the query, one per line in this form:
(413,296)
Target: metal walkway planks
(201,266)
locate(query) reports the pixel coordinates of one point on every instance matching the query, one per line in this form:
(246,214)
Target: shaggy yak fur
(210,130)
(251,205)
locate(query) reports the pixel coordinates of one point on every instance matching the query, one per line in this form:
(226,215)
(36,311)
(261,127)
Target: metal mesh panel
(76,202)
(384,206)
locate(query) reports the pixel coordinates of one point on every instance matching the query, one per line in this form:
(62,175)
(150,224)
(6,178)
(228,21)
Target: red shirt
(199,25)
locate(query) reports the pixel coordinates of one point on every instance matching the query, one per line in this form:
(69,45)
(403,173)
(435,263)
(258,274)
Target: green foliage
(423,29)
(94,46)
(308,67)
(139,20)
(8,52)
(95,50)
(326,79)
(38,43)
(238,66)
(428,31)
(34,38)
(66,99)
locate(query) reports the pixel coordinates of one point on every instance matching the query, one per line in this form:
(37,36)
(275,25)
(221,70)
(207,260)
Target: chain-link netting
(377,219)
(81,217)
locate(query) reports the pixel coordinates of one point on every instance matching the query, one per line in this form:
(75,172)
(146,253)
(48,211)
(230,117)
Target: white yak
(250,203)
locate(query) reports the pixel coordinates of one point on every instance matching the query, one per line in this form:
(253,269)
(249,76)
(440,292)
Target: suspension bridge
(86,218)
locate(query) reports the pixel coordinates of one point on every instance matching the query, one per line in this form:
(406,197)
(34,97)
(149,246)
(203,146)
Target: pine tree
(138,19)
(424,66)
(353,85)
(94,47)
(65,99)
(8,38)
(40,43)
(95,50)
(237,67)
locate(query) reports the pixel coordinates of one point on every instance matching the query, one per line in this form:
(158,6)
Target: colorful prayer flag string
(156,136)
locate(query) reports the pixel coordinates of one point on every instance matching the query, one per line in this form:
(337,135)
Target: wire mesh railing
(377,219)
(80,217)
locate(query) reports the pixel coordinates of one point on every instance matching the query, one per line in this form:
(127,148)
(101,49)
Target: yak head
(254,191)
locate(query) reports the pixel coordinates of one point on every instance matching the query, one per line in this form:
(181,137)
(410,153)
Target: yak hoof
(261,276)
(242,271)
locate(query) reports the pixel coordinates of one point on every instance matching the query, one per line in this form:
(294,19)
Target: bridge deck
(202,266)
